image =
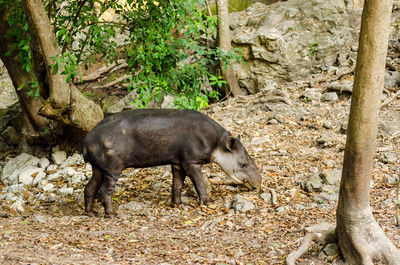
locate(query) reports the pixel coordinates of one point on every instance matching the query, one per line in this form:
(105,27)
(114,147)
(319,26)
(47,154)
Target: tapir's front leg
(91,190)
(194,172)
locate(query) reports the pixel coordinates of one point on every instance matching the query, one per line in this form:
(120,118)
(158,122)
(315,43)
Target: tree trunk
(224,43)
(33,123)
(359,236)
(58,100)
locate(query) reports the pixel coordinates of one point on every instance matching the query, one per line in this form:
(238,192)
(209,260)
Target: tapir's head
(236,162)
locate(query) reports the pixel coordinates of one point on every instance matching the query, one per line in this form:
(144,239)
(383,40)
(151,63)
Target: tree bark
(58,100)
(224,43)
(359,236)
(45,46)
(30,106)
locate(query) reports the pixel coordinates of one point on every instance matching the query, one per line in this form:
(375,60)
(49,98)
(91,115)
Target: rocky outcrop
(290,40)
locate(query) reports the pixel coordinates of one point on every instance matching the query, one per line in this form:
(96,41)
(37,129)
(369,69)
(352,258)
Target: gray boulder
(290,40)
(11,171)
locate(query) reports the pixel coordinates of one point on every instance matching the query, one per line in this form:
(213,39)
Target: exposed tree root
(320,233)
(360,239)
(393,98)
(113,83)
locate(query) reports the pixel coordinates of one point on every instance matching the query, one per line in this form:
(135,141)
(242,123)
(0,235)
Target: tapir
(184,139)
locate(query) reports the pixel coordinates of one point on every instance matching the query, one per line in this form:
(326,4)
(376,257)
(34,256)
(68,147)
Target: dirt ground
(151,232)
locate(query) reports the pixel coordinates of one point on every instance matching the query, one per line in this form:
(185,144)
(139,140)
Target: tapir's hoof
(111,215)
(91,213)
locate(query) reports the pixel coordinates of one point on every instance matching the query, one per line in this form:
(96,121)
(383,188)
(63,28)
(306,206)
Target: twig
(122,78)
(393,98)
(110,68)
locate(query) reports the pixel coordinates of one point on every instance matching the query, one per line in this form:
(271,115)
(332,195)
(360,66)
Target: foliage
(313,49)
(166,49)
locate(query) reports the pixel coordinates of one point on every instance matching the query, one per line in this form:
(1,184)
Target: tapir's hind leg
(194,172)
(109,184)
(91,190)
(178,178)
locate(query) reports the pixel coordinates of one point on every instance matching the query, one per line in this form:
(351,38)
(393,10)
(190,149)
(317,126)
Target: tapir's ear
(230,143)
(238,138)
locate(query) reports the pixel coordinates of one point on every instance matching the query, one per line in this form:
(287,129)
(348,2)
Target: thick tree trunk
(33,123)
(44,45)
(58,100)
(224,43)
(359,236)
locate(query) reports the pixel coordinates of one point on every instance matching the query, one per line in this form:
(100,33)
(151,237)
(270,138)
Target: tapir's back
(150,137)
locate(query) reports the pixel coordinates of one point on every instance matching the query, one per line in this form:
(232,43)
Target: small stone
(58,157)
(11,136)
(330,96)
(48,187)
(273,121)
(388,158)
(261,140)
(299,207)
(44,163)
(241,205)
(18,205)
(66,191)
(266,196)
(280,209)
(14,188)
(76,159)
(40,176)
(39,219)
(25,177)
(8,197)
(327,125)
(333,196)
(52,167)
(314,183)
(392,179)
(331,249)
(332,177)
(131,206)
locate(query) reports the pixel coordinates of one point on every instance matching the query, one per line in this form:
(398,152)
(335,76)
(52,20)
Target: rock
(289,41)
(261,140)
(65,191)
(58,157)
(12,169)
(330,96)
(39,219)
(392,79)
(314,183)
(52,167)
(332,177)
(131,206)
(76,159)
(342,86)
(18,205)
(326,196)
(25,177)
(40,176)
(331,249)
(388,158)
(11,136)
(8,197)
(14,188)
(8,96)
(280,209)
(241,205)
(266,196)
(311,95)
(44,163)
(392,179)
(48,187)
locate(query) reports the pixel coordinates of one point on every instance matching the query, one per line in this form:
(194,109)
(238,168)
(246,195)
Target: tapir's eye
(243,165)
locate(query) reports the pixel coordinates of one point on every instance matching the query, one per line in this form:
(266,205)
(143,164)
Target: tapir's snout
(254,180)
